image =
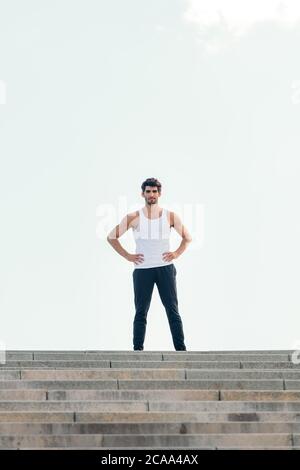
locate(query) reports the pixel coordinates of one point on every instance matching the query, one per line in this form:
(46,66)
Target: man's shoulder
(132,218)
(132,215)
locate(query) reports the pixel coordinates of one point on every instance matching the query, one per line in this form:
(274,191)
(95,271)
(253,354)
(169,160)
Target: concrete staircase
(149,400)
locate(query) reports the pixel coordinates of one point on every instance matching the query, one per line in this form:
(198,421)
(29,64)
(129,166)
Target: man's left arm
(183,232)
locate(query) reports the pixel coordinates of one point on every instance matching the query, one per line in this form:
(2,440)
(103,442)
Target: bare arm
(183,245)
(183,232)
(117,232)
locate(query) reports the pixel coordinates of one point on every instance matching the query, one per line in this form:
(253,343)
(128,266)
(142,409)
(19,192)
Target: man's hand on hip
(169,255)
(136,258)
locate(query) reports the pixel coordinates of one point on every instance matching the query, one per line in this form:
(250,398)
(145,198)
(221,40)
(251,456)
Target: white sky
(100,95)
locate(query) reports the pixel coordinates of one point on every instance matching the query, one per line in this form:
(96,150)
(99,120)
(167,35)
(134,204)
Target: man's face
(151,195)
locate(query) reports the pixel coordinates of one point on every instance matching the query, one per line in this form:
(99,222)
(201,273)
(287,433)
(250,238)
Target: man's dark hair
(151,182)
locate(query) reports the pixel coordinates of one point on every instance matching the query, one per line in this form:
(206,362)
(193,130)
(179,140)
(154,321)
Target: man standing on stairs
(153,261)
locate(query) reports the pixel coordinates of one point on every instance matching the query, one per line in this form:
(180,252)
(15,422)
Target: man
(153,261)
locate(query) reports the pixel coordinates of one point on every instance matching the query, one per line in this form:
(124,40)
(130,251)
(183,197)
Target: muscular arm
(117,232)
(182,231)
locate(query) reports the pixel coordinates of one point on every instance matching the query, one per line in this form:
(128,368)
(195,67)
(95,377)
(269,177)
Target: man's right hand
(136,258)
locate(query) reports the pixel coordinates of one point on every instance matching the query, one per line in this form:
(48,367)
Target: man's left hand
(169,255)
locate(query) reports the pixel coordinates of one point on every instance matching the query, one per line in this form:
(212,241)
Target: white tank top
(152,238)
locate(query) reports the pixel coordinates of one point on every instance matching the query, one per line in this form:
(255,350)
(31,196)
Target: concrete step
(151,405)
(78,374)
(147,440)
(87,364)
(183,417)
(20,394)
(224,406)
(115,384)
(61,405)
(256,447)
(146,417)
(10,374)
(202,384)
(117,448)
(31,416)
(173,394)
(168,448)
(10,352)
(292,384)
(15,366)
(194,365)
(142,356)
(147,384)
(149,399)
(242,374)
(260,395)
(62,364)
(94,374)
(288,375)
(59,384)
(269,365)
(148,428)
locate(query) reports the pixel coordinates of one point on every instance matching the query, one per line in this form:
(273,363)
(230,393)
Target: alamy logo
(191,215)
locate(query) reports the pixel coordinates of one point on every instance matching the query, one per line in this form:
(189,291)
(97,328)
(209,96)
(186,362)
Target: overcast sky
(95,97)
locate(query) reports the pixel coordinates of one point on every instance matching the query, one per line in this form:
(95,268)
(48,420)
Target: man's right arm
(117,232)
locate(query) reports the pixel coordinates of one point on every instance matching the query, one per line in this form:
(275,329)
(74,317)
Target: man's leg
(143,283)
(166,284)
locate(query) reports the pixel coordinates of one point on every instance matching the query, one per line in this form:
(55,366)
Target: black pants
(143,281)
